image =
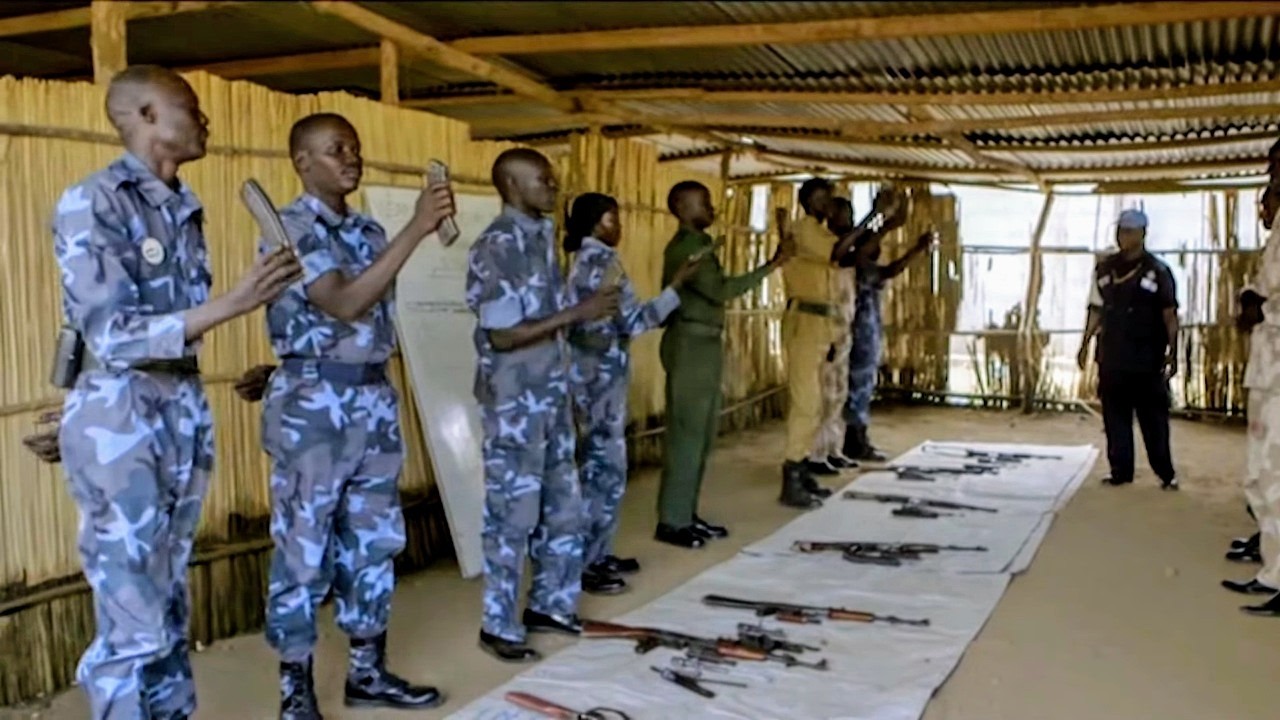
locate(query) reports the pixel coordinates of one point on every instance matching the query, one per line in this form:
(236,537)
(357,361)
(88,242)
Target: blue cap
(1133,220)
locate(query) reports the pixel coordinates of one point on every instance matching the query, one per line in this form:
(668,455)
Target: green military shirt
(703,297)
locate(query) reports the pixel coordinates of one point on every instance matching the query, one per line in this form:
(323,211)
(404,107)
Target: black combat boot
(853,439)
(370,685)
(794,494)
(298,692)
(869,451)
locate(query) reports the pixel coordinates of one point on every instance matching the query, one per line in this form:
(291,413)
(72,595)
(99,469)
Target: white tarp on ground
(877,671)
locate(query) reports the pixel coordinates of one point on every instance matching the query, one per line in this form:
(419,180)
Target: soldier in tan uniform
(808,329)
(835,371)
(1260,312)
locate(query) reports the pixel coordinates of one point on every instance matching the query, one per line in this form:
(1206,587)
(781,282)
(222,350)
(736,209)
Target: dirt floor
(1119,618)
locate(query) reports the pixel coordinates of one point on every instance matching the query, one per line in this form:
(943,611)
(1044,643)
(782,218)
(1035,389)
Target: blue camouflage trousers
(864,359)
(533,506)
(600,399)
(336,455)
(137,450)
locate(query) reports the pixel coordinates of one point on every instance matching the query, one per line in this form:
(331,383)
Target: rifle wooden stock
(595,628)
(733,650)
(538,705)
(850,615)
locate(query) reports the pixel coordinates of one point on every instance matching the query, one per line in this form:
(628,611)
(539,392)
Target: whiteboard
(435,329)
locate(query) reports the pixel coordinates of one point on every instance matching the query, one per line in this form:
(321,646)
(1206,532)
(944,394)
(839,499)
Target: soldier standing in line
(600,378)
(137,433)
(532,499)
(331,425)
(1133,308)
(888,213)
(835,371)
(692,354)
(1250,315)
(808,331)
(1260,315)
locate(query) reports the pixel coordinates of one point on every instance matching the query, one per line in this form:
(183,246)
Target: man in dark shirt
(1133,309)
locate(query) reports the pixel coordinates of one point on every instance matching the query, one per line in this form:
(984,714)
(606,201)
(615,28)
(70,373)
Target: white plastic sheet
(877,671)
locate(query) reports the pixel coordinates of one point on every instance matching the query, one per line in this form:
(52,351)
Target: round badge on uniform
(152,251)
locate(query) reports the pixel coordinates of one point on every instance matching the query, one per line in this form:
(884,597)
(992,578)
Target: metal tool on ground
(909,501)
(790,612)
(758,636)
(698,666)
(693,684)
(549,709)
(647,639)
(880,553)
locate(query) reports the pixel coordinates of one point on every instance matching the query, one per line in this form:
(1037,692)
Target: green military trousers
(692,355)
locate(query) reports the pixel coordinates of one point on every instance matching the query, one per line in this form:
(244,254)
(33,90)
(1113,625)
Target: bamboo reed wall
(53,134)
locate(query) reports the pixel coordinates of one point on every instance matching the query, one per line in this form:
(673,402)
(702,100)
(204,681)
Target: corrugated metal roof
(1157,55)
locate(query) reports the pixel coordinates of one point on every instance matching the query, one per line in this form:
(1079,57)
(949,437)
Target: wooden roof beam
(843,130)
(287,64)
(994,22)
(431,49)
(967,99)
(81,16)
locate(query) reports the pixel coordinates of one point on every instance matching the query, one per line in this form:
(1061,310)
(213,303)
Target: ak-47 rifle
(805,614)
(908,501)
(647,639)
(988,456)
(880,553)
(928,473)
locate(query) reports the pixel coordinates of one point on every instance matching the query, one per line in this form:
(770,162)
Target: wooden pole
(389,72)
(107,38)
(1030,325)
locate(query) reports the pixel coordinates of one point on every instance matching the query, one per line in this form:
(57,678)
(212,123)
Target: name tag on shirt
(1147,284)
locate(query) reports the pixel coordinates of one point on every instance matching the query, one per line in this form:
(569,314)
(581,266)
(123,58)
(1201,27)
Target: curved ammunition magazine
(264,214)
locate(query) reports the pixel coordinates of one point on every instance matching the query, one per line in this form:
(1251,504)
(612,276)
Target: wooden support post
(1027,331)
(389,72)
(107,38)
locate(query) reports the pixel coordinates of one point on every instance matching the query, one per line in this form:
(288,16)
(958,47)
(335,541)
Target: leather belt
(337,372)
(810,308)
(694,327)
(589,341)
(186,366)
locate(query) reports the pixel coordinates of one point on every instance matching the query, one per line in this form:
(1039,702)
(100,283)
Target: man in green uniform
(691,354)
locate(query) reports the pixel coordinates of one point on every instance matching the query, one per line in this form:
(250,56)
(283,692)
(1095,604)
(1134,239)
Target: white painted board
(436,341)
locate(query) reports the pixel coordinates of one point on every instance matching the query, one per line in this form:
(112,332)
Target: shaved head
(526,180)
(157,114)
(690,202)
(310,126)
(136,87)
(514,161)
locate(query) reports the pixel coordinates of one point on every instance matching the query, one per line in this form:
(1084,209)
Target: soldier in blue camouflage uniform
(137,433)
(600,377)
(532,499)
(889,213)
(331,425)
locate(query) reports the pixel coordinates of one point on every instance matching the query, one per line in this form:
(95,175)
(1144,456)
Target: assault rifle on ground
(988,456)
(908,501)
(805,614)
(880,553)
(647,639)
(927,473)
